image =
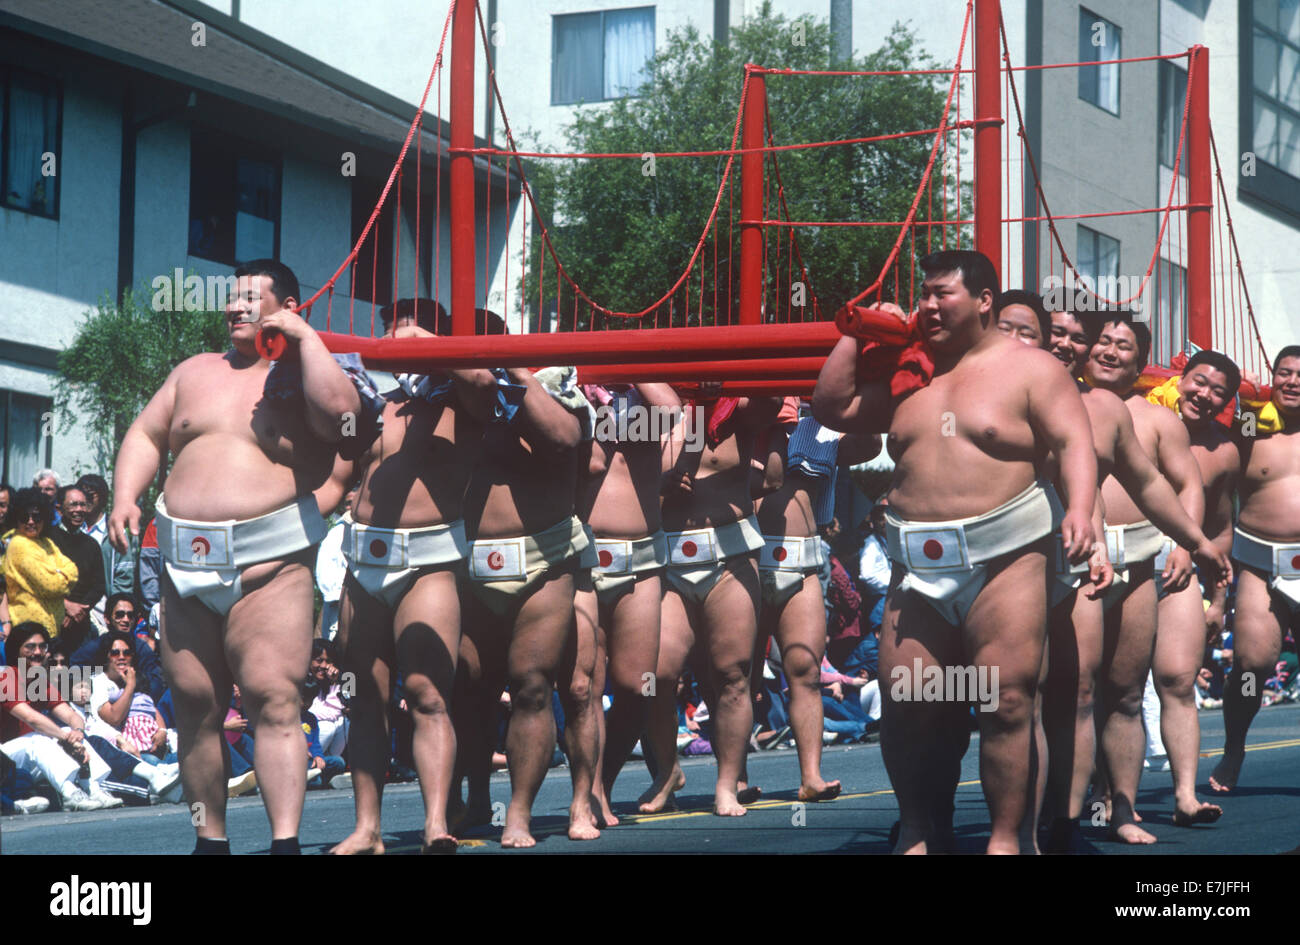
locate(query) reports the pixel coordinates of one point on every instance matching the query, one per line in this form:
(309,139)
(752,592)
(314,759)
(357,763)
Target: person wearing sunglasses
(38,576)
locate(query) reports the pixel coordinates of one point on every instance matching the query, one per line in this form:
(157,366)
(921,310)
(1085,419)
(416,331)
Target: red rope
(1236,252)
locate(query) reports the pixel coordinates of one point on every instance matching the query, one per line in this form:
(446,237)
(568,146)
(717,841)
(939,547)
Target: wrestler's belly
(940,492)
(217,478)
(619,509)
(714,500)
(1272,511)
(788,511)
(523,502)
(401,493)
(1120,508)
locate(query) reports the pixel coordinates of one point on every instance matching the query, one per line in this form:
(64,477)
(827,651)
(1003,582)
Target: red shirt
(14,692)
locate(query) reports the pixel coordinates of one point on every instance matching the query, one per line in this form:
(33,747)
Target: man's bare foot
(605,816)
(1202,812)
(726,804)
(440,844)
(907,842)
(517,834)
(1224,777)
(582,823)
(829,790)
(659,796)
(1131,833)
(359,843)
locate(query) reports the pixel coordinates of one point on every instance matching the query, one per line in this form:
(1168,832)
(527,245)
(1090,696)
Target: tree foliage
(625,236)
(120,357)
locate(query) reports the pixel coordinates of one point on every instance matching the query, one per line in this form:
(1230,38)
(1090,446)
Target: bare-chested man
(236,527)
(1075,627)
(970,521)
(789,568)
(1114,364)
(618,615)
(712,594)
(525,552)
(1266,546)
(1209,382)
(404,543)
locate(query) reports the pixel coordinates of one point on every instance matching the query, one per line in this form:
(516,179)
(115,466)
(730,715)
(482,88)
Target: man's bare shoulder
(203,363)
(1102,403)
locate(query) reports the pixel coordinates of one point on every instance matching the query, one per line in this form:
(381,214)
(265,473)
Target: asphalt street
(1262,816)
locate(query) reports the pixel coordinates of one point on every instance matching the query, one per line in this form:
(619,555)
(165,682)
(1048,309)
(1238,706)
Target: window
(1173,96)
(31,143)
(600,56)
(1169,333)
(372,274)
(27,445)
(1099,40)
(234,200)
(1275,86)
(1098,261)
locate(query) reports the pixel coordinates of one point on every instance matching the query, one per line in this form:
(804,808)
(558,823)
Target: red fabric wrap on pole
(891,347)
(751,202)
(1200,258)
(988,141)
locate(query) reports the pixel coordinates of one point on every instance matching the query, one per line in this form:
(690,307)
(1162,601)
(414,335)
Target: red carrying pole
(988,138)
(751,202)
(463,273)
(1200,328)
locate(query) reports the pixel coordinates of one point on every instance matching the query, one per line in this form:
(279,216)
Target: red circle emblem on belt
(1295,562)
(378,548)
(933,549)
(605,558)
(200,546)
(496,561)
(689,548)
(779,553)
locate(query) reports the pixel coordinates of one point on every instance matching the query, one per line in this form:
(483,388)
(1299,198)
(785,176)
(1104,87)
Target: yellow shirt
(38,577)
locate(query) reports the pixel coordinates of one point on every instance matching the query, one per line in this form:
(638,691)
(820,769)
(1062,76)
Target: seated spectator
(319,764)
(843,717)
(46,737)
(38,576)
(329,707)
(125,616)
(124,707)
(130,778)
(87,592)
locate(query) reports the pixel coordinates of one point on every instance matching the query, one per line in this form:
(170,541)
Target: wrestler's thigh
(1130,636)
(365,637)
(801,626)
(542,627)
(729,616)
(633,632)
(193,656)
(484,639)
(1075,636)
(269,631)
(676,634)
(1180,636)
(426,629)
(1257,624)
(1007,625)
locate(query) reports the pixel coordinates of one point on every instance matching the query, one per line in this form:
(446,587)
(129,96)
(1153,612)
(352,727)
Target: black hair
(20,635)
(64,490)
(1032,301)
(321,645)
(1220,362)
(284,284)
(1290,351)
(977,272)
(487,322)
(428,314)
(96,484)
(106,643)
(1140,331)
(32,498)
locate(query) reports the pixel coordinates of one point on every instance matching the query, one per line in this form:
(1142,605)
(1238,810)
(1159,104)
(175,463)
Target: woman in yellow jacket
(37,575)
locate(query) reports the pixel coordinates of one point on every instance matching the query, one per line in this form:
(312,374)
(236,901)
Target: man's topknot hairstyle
(977,272)
(1220,362)
(284,284)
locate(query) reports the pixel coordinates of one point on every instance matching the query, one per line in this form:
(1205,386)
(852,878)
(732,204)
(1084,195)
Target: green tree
(625,236)
(120,357)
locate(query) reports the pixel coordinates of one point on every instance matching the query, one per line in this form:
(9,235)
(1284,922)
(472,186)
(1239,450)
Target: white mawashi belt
(693,547)
(498,559)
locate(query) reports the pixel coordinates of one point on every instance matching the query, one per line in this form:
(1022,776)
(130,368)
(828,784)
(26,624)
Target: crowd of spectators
(86,717)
